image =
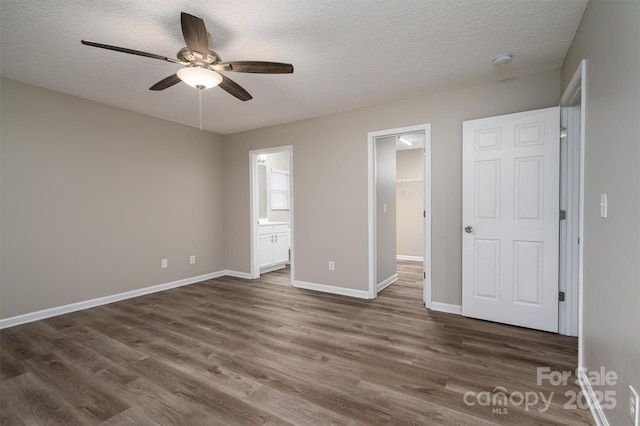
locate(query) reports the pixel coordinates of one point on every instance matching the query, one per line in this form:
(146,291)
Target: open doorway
(272,212)
(399,208)
(410,159)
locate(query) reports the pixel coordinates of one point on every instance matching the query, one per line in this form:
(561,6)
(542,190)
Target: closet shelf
(409,180)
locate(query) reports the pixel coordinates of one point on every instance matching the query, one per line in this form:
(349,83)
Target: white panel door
(511,167)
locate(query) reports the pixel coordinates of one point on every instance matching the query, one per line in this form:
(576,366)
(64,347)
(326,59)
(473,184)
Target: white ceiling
(347,54)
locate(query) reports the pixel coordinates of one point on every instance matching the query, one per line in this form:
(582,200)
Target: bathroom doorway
(272,211)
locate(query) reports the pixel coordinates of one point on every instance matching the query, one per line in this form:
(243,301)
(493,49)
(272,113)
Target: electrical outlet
(332,265)
(164,264)
(192,259)
(634,406)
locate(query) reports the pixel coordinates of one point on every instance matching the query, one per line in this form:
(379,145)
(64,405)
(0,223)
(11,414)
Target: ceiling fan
(201,65)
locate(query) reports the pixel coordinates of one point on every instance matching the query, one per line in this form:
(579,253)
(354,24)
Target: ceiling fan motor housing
(185,55)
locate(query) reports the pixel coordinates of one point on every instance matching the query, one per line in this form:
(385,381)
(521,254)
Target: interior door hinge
(424,213)
(563,133)
(561,296)
(424,274)
(563,214)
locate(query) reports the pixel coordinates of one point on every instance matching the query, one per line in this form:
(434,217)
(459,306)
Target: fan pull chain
(200,104)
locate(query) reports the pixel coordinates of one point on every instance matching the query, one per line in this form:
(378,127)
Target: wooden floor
(231,351)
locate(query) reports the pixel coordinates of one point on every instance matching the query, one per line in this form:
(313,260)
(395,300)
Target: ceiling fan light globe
(200,78)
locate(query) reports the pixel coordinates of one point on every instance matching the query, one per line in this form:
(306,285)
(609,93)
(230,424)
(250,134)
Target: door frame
(571,281)
(372,220)
(254,206)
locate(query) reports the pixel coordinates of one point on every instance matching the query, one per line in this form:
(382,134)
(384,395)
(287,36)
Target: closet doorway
(410,208)
(271,211)
(399,207)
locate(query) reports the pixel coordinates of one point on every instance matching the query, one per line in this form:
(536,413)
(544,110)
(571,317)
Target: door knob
(468,229)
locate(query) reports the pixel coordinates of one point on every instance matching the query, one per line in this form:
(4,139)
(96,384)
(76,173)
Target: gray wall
(330,169)
(609,38)
(94,196)
(385,217)
(410,203)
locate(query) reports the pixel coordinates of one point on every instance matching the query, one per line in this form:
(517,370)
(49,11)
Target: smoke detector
(502,59)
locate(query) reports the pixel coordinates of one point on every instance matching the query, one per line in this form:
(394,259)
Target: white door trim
(427,220)
(569,202)
(576,89)
(254,205)
(426,128)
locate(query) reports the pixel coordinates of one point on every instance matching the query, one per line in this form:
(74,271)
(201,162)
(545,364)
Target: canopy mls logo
(500,400)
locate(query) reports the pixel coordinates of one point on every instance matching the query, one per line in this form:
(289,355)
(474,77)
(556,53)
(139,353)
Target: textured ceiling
(347,53)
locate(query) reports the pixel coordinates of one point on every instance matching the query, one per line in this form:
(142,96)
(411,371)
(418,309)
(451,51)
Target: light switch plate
(634,400)
(603,206)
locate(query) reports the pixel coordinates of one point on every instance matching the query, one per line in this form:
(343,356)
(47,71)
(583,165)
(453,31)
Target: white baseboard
(360,294)
(272,268)
(65,309)
(236,274)
(386,283)
(411,258)
(596,409)
(446,307)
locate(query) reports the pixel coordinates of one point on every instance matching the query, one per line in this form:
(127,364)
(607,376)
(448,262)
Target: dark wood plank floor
(231,351)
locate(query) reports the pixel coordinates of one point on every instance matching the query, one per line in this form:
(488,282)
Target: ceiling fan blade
(234,89)
(130,51)
(195,34)
(258,67)
(166,82)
